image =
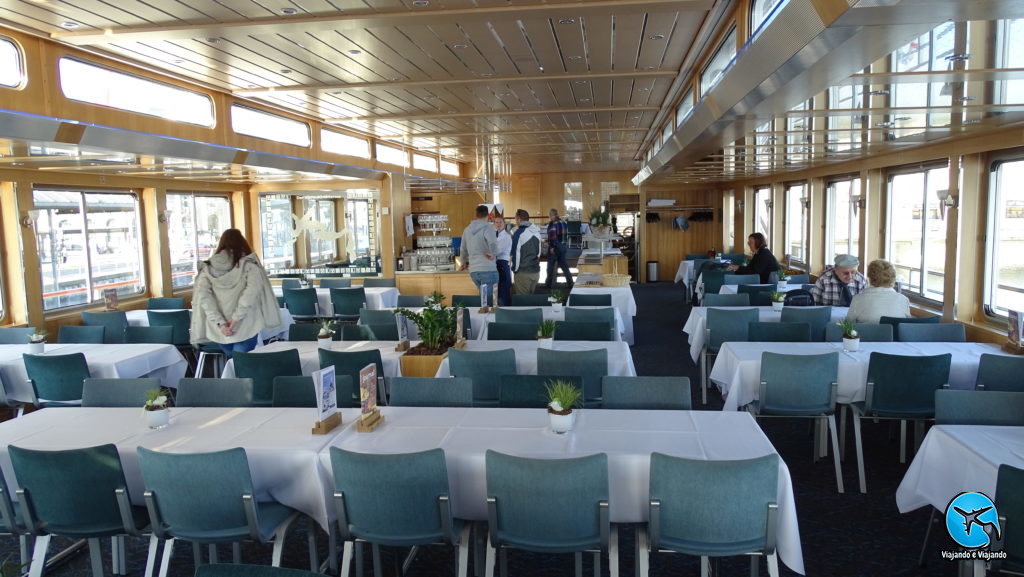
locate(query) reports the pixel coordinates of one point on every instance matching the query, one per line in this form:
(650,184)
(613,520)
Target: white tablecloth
(622,299)
(140,318)
(105,361)
(737,369)
(620,360)
(731,289)
(696,323)
(627,437)
(594,247)
(310,358)
(685,273)
(376,298)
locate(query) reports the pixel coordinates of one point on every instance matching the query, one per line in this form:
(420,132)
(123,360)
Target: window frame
(757,27)
(707,84)
(344,136)
(236,106)
(853,223)
(19,52)
(198,255)
(769,208)
(788,187)
(377,146)
(918,295)
(994,206)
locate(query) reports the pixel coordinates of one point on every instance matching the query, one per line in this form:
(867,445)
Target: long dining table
(622,299)
(696,323)
(140,318)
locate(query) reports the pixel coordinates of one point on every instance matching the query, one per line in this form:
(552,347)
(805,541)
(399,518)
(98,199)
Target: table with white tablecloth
(696,323)
(731,289)
(105,361)
(627,437)
(737,369)
(377,297)
(310,357)
(622,299)
(620,360)
(140,318)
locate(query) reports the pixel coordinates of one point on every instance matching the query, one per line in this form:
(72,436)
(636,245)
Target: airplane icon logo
(972,520)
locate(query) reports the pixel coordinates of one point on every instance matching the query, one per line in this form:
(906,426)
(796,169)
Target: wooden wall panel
(661,243)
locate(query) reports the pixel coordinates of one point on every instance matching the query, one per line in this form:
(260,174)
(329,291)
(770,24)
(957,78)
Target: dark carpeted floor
(842,535)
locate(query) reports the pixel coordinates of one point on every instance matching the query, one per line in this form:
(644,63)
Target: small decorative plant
(326,330)
(783,275)
(437,323)
(600,218)
(563,397)
(778,297)
(546,330)
(157,400)
(557,297)
(37,337)
(848,331)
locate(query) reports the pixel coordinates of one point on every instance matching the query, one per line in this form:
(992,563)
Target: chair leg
(703,378)
(503,561)
(479,547)
(755,565)
(643,554)
(23,547)
(332,549)
(705,567)
(843,409)
(314,559)
(462,566)
(860,453)
(236,553)
(613,552)
(489,563)
(903,440)
(116,554)
(346,558)
(214,557)
(578,563)
(96,557)
(165,561)
(375,551)
(597,563)
(773,564)
(932,520)
(835,452)
(197,554)
(39,556)
(154,543)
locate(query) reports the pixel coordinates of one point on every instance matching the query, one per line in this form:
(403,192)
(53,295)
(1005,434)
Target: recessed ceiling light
(879,93)
(286,71)
(288,11)
(355,52)
(395,79)
(576,58)
(657,36)
(486,74)
(540,68)
(213,40)
(177,61)
(460,46)
(645,89)
(584,100)
(567,21)
(451,112)
(420,3)
(648,68)
(69,25)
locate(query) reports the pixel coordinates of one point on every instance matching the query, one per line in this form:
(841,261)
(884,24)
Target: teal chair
(151,335)
(1009,502)
(530,300)
(721,326)
(384,332)
(530,391)
(262,368)
(601,315)
(512,331)
(590,300)
(696,256)
(77,494)
(734,512)
(179,321)
(376,317)
(953,407)
(350,363)
(734,257)
(931,333)
(720,300)
(329,283)
(760,295)
(302,303)
(471,301)
(1000,373)
(242,570)
(646,393)
(532,316)
(485,369)
(117,392)
(583,331)
(591,365)
(291,283)
(114,323)
(297,391)
(398,500)
(347,302)
(165,303)
(741,279)
(430,392)
(894,321)
(817,317)
(866,332)
(308,332)
(81,334)
(549,506)
(779,332)
(12,523)
(801,386)
(379,282)
(798,279)
(57,379)
(214,393)
(209,499)
(412,301)
(713,280)
(899,387)
(15,335)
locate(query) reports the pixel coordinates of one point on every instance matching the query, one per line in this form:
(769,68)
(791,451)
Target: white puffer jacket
(239,292)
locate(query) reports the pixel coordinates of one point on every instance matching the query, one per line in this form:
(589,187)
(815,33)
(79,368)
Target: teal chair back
(214,393)
(291,283)
(301,302)
(379,332)
(57,379)
(530,300)
(720,300)
(798,279)
(866,332)
(407,301)
(779,332)
(1009,502)
(583,331)
(347,302)
(532,316)
(1000,373)
(741,279)
(297,391)
(15,335)
(903,386)
(601,315)
(156,335)
(760,295)
(646,393)
(485,369)
(117,392)
(590,300)
(471,301)
(894,321)
(350,363)
(262,368)
(430,392)
(378,282)
(503,331)
(734,257)
(931,333)
(724,325)
(329,283)
(530,391)
(713,280)
(113,324)
(591,365)
(733,513)
(953,407)
(547,505)
(179,321)
(798,385)
(308,332)
(696,256)
(376,317)
(159,303)
(80,334)
(817,317)
(243,570)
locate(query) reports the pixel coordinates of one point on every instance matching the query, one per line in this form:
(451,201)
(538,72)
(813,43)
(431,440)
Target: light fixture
(69,25)
(962,57)
(421,3)
(648,68)
(288,11)
(286,71)
(213,40)
(575,58)
(567,21)
(945,197)
(30,218)
(460,46)
(964,99)
(656,37)
(355,51)
(486,74)
(163,216)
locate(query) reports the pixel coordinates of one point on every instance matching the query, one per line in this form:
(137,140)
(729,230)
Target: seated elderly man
(838,285)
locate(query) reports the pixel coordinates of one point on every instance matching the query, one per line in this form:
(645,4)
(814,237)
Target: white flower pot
(323,343)
(776,306)
(37,348)
(562,423)
(782,286)
(851,344)
(157,419)
(544,342)
(556,308)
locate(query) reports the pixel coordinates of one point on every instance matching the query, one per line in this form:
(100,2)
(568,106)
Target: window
(761,13)
(685,107)
(796,222)
(449,168)
(763,211)
(1004,277)
(926,52)
(12,71)
(719,63)
(278,244)
(844,132)
(798,134)
(573,201)
(194,226)
(424,162)
(88,242)
(917,230)
(843,224)
(1009,54)
(252,122)
(97,85)
(391,155)
(360,218)
(321,251)
(340,143)
(764,151)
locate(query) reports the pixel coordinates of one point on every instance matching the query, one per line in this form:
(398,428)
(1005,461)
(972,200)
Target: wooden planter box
(420,365)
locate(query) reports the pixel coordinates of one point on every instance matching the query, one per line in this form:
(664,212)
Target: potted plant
(557,299)
(326,334)
(37,342)
(851,340)
(438,326)
(155,408)
(778,298)
(783,277)
(600,220)
(563,397)
(545,334)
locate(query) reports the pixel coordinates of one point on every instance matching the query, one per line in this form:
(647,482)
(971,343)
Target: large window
(88,242)
(798,133)
(321,251)
(252,122)
(194,226)
(844,132)
(719,63)
(917,229)
(1004,271)
(843,224)
(1009,54)
(763,211)
(341,143)
(573,201)
(926,52)
(760,12)
(392,155)
(764,151)
(796,222)
(12,70)
(424,162)
(685,107)
(449,168)
(278,244)
(97,85)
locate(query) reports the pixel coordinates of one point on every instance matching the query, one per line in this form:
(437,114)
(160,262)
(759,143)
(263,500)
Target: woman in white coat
(879,299)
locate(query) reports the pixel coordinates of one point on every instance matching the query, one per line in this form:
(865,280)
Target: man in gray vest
(525,254)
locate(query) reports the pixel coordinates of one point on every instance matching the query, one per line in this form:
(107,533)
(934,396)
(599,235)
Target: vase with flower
(438,326)
(851,340)
(563,397)
(156,409)
(557,299)
(545,334)
(325,335)
(37,343)
(778,300)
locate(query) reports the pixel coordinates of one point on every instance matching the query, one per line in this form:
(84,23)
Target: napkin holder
(327,425)
(367,422)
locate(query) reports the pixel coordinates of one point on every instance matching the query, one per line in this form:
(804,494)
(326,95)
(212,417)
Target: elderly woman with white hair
(880,299)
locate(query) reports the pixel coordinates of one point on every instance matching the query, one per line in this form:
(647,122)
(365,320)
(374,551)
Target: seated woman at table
(763,262)
(880,299)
